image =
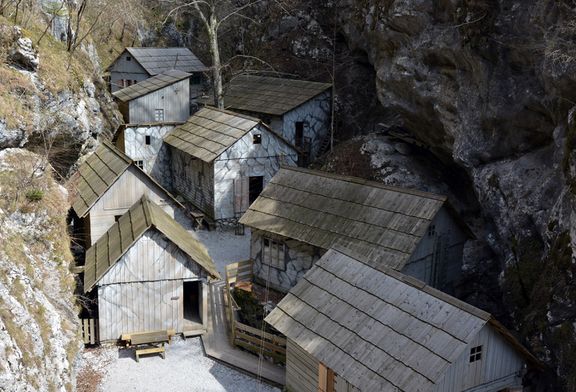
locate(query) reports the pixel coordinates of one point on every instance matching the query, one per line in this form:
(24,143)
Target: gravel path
(224,246)
(185,369)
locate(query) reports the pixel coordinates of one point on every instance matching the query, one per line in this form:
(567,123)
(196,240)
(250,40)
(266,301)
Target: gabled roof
(274,96)
(150,85)
(158,60)
(96,174)
(378,329)
(379,222)
(142,216)
(210,132)
(99,172)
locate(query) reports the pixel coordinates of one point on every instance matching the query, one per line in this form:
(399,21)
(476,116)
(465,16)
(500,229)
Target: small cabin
(134,65)
(222,160)
(299,110)
(163,99)
(144,144)
(354,327)
(148,273)
(106,185)
(302,213)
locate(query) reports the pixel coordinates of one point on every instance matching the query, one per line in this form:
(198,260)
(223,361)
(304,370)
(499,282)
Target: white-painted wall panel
(174,100)
(127,190)
(500,367)
(143,291)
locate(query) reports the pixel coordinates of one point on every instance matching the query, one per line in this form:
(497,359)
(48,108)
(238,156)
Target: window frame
(275,256)
(139,164)
(157,113)
(476,354)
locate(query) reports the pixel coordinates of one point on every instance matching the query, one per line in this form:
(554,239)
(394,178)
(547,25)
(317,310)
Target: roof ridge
(230,112)
(363,181)
(115,150)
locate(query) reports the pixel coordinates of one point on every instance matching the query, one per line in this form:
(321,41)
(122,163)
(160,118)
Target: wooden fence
(245,336)
(89,330)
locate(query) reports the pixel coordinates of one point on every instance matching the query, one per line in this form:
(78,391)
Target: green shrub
(35,195)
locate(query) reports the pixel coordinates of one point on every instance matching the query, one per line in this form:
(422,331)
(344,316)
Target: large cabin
(134,65)
(221,161)
(162,99)
(108,183)
(298,110)
(302,213)
(148,273)
(355,327)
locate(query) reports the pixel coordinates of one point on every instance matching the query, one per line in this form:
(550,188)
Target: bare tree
(213,14)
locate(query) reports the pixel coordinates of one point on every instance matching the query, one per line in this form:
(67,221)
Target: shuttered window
(273,253)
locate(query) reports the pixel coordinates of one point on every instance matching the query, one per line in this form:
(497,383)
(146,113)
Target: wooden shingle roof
(209,132)
(142,216)
(97,174)
(150,85)
(275,96)
(158,60)
(378,329)
(382,223)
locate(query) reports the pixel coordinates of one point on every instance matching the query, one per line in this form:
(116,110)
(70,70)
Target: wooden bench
(148,342)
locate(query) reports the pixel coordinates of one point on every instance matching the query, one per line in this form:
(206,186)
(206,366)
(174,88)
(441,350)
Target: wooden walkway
(217,342)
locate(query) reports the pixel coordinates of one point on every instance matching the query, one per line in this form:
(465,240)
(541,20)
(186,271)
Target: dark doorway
(299,134)
(192,300)
(255,186)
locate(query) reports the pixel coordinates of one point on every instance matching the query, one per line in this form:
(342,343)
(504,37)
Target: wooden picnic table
(150,342)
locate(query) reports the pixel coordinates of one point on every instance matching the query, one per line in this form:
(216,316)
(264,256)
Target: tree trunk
(216,63)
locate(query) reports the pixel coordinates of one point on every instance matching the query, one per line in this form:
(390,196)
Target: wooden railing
(245,336)
(89,330)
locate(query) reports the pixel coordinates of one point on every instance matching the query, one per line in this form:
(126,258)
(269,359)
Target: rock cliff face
(38,319)
(488,87)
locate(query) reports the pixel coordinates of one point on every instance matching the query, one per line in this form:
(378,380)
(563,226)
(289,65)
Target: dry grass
(89,377)
(15,89)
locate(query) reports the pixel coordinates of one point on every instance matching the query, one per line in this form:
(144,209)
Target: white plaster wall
(156,155)
(299,257)
(316,116)
(245,159)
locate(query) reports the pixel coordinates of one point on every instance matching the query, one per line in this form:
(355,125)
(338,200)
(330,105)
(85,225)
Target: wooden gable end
(153,257)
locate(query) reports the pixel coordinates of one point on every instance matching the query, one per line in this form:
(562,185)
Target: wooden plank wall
(437,260)
(497,369)
(123,69)
(126,191)
(144,290)
(193,179)
(173,99)
(301,369)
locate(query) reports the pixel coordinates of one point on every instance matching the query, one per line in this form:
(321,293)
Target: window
(431,230)
(148,140)
(158,114)
(257,139)
(128,58)
(475,354)
(140,164)
(117,218)
(273,253)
